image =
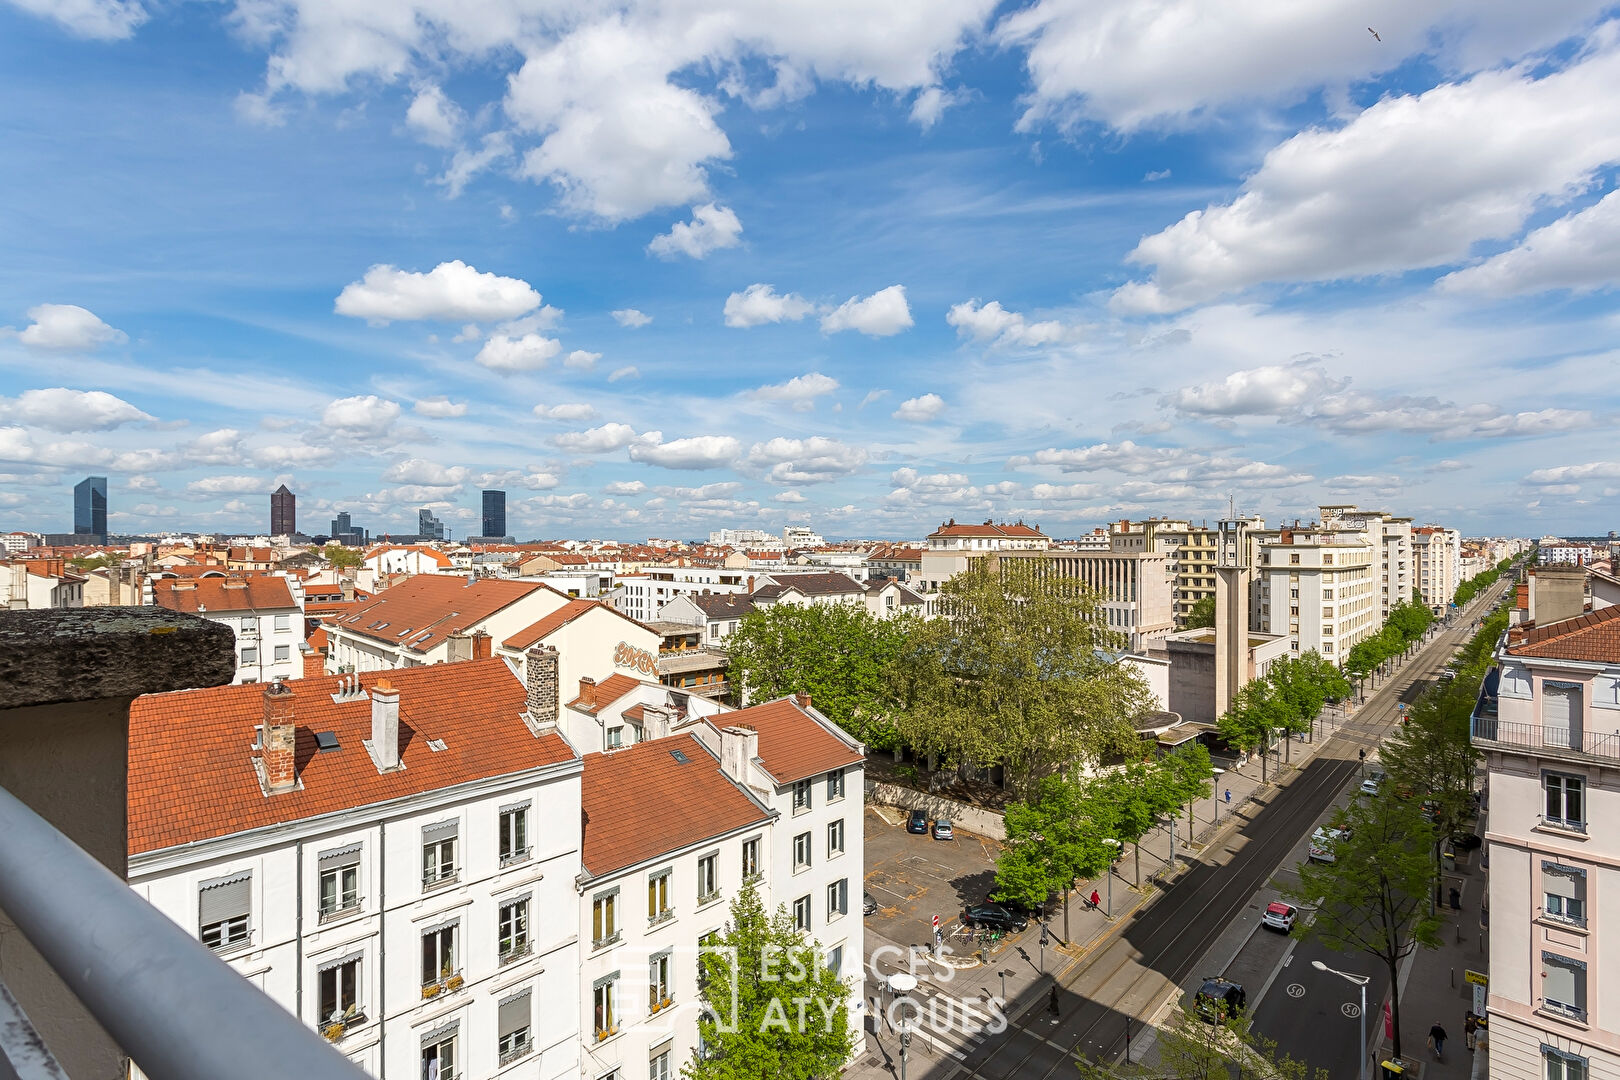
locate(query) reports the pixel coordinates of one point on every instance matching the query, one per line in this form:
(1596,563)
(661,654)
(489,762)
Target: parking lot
(915,877)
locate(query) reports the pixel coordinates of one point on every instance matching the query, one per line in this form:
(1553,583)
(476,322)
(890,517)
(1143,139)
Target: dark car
(942,830)
(868,904)
(1218,999)
(918,822)
(994,917)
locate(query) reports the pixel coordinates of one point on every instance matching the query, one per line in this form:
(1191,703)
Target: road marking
(1350,1009)
(1296,990)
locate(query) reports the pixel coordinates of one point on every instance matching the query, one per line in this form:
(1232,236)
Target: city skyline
(866,277)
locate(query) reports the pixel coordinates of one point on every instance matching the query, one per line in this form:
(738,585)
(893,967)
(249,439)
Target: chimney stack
(385,725)
(1557,592)
(587,690)
(802,699)
(482,646)
(346,588)
(541,669)
(460,647)
(280,740)
(739,746)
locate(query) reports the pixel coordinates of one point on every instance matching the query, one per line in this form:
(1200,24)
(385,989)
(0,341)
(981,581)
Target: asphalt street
(1314,1016)
(1154,955)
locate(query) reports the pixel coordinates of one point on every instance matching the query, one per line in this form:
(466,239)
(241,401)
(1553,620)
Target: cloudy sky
(658,267)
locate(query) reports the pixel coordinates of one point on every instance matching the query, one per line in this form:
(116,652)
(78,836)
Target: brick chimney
(739,746)
(459,646)
(384,725)
(482,646)
(280,739)
(802,699)
(314,662)
(346,588)
(587,690)
(541,669)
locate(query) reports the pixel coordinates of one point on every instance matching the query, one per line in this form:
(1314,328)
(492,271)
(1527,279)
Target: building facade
(1133,587)
(283,512)
(494,517)
(1318,588)
(264,611)
(950,548)
(90,508)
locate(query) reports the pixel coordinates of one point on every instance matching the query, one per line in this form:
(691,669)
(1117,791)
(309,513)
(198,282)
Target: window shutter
(222,898)
(442,830)
(524,805)
(513,1013)
(1557,704)
(1562,880)
(440,1033)
(339,962)
(1560,982)
(343,856)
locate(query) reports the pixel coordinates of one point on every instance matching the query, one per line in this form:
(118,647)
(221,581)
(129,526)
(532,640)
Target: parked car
(1279,916)
(868,904)
(1466,841)
(1322,841)
(918,822)
(1369,786)
(942,830)
(1219,998)
(994,917)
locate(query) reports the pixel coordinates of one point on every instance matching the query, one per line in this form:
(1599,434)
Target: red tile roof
(641,802)
(1593,637)
(792,743)
(608,691)
(434,555)
(431,607)
(1017,530)
(532,635)
(234,593)
(191,776)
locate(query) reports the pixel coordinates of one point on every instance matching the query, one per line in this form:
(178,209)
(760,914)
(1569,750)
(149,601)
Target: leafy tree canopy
(342,557)
(1202,613)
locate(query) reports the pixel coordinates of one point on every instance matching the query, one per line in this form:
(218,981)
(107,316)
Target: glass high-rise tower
(90,506)
(494,513)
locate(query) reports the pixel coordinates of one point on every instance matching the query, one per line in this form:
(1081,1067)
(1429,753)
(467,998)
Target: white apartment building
(801,536)
(591,639)
(1189,556)
(1438,553)
(808,589)
(718,614)
(744,538)
(1397,561)
(643,594)
(1547,722)
(949,548)
(380,855)
(32,584)
(407,559)
(13,542)
(1563,551)
(1318,588)
(264,611)
(412,623)
(1133,586)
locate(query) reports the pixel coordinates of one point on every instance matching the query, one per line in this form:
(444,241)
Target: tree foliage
(842,655)
(1373,897)
(1202,613)
(771,1007)
(342,557)
(1019,669)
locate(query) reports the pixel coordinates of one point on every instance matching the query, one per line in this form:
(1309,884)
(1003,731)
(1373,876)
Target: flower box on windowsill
(659,1004)
(453,983)
(607,1033)
(431,990)
(661,918)
(708,898)
(602,943)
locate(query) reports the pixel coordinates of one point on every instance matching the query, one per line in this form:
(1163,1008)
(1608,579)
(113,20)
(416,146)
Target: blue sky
(658,268)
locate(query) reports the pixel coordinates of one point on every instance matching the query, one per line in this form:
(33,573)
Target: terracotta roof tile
(435,603)
(792,743)
(191,775)
(608,691)
(1593,637)
(641,802)
(535,633)
(211,595)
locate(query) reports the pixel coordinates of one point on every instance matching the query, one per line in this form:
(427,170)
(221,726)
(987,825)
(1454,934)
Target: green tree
(1432,753)
(1202,613)
(1257,711)
(844,657)
(1373,897)
(1189,1048)
(1190,776)
(771,1007)
(1139,794)
(342,557)
(1053,838)
(1019,670)
(86,563)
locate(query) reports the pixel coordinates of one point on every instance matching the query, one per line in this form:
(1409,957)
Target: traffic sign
(1477,978)
(936,922)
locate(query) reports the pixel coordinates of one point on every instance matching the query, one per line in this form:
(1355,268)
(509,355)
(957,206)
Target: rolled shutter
(1562,880)
(1557,704)
(513,1013)
(223,898)
(442,830)
(440,1033)
(339,962)
(1561,982)
(343,856)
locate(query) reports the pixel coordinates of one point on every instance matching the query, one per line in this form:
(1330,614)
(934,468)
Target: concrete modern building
(344,531)
(494,513)
(428,527)
(951,547)
(90,508)
(1134,587)
(1318,588)
(1397,565)
(283,512)
(1438,552)
(1548,721)
(1189,556)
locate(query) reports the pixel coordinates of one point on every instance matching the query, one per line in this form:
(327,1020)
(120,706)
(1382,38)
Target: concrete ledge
(67,655)
(973,819)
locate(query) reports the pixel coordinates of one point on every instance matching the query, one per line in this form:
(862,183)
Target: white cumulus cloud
(598,440)
(806,461)
(423,471)
(580,360)
(630,371)
(711,228)
(799,393)
(98,20)
(441,407)
(631,318)
(625,487)
(696,452)
(508,354)
(66,327)
(362,416)
(61,409)
(1576,252)
(574,411)
(229,485)
(433,117)
(920,409)
(759,304)
(993,323)
(882,314)
(451,291)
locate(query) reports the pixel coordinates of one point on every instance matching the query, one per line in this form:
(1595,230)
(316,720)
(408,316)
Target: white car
(1279,916)
(1369,786)
(1322,841)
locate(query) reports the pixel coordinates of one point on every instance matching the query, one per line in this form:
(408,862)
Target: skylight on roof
(680,756)
(326,740)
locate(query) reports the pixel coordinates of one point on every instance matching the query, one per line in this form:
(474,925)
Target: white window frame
(340,1014)
(802,913)
(835,785)
(708,877)
(344,900)
(513,826)
(750,858)
(835,838)
(659,883)
(443,869)
(605,928)
(512,940)
(446,951)
(837,898)
(1551,779)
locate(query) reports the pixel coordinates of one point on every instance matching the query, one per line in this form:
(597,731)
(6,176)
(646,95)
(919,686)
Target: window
(801,913)
(658,908)
(801,796)
(223,907)
(1562,1065)
(835,959)
(711,940)
(340,881)
(658,982)
(1293,558)
(1327,594)
(614,738)
(750,858)
(250,655)
(604,1002)
(708,878)
(439,1053)
(1564,892)
(835,838)
(338,984)
(1293,611)
(605,919)
(439,955)
(835,785)
(801,851)
(837,899)
(283,652)
(512,1016)
(1563,985)
(658,1066)
(283,622)
(439,853)
(514,942)
(514,833)
(1327,558)
(1564,800)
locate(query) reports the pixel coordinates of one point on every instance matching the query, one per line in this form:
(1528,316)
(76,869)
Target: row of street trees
(1285,701)
(1480,582)
(1022,671)
(1405,627)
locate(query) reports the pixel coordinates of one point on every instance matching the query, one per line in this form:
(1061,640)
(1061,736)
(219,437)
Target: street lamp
(1215,795)
(1112,844)
(901,985)
(1361,981)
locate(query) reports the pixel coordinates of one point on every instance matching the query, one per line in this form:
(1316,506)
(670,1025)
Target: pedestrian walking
(1470,1029)
(1437,1041)
(1456,898)
(1096,900)
(1228,796)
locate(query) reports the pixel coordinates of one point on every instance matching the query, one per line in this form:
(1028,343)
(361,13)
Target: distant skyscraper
(494,513)
(283,512)
(428,527)
(345,532)
(90,506)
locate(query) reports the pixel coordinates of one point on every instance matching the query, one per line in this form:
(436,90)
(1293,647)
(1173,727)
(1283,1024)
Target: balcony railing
(1487,728)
